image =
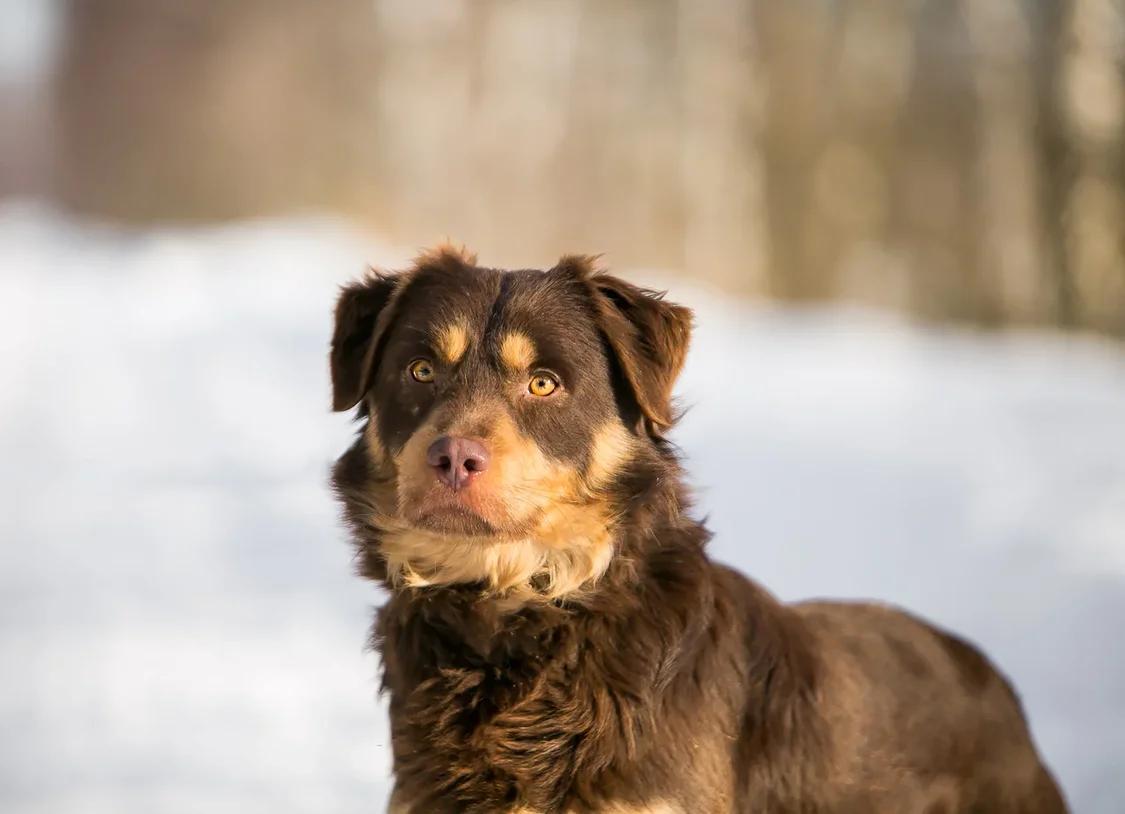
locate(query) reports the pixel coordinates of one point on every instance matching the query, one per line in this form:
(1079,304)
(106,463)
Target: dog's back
(923,715)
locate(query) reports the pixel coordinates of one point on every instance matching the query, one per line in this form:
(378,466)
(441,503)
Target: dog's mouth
(450,513)
(454,520)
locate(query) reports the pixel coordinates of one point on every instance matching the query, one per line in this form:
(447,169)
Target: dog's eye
(542,384)
(422,370)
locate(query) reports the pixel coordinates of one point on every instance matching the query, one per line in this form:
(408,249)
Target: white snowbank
(180,628)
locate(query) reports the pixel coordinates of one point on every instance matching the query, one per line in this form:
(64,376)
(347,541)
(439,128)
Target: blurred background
(953,158)
(901,224)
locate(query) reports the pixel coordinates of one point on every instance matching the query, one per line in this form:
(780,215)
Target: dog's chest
(474,734)
(543,713)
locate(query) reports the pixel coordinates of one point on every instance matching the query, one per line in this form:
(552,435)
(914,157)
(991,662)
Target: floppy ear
(648,336)
(361,319)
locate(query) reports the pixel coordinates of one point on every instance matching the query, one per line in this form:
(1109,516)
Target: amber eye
(542,384)
(422,370)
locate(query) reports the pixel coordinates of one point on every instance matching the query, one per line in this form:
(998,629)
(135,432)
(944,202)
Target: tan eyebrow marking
(517,351)
(451,341)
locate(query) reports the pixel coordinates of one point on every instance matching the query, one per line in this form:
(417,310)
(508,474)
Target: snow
(181,630)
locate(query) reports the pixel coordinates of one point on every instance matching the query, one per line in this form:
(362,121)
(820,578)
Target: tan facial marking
(610,450)
(375,451)
(451,341)
(517,351)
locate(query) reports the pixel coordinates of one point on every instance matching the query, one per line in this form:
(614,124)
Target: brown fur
(556,638)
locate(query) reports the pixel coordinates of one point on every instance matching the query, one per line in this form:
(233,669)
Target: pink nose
(456,460)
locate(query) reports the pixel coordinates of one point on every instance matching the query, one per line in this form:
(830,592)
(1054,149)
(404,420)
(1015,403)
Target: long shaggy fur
(574,649)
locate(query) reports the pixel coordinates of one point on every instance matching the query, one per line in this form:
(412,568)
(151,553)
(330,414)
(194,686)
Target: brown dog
(556,639)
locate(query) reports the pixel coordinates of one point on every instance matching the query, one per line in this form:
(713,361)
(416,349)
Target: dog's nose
(456,460)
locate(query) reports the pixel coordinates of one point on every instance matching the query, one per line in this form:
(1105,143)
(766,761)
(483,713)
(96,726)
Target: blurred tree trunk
(211,109)
(794,44)
(1093,111)
(850,247)
(1013,271)
(722,172)
(1053,151)
(937,195)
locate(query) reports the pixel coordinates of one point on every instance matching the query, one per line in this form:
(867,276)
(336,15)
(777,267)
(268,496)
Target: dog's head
(504,409)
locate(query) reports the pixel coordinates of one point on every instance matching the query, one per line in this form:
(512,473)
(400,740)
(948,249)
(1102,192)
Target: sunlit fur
(446,252)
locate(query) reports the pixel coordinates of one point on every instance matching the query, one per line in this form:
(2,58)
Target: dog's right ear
(362,312)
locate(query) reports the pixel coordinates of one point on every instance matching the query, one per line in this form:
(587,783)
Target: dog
(556,639)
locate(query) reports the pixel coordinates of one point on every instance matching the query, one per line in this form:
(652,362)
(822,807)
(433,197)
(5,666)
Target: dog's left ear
(355,338)
(648,336)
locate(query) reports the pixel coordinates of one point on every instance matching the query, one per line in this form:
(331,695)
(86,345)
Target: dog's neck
(474,628)
(460,626)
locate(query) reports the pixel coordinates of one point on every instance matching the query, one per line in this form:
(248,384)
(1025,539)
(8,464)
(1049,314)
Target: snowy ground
(180,631)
